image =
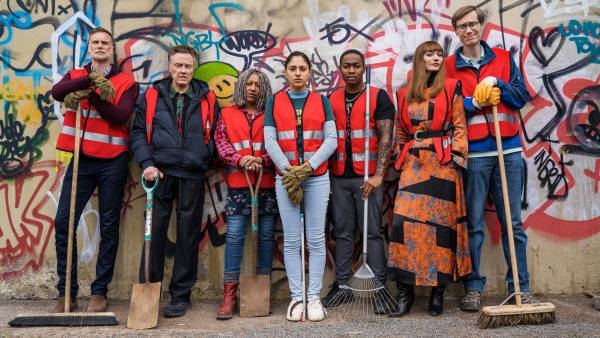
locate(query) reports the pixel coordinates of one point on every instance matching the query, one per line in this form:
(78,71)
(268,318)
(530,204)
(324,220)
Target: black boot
(406,297)
(436,301)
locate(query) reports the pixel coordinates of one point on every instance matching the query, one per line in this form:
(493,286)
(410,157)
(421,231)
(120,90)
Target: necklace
(350,102)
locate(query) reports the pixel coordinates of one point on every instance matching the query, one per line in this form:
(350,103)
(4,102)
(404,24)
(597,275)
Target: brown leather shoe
(97,303)
(227,307)
(59,307)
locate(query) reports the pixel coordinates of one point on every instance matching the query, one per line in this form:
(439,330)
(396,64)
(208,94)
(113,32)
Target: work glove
(72,99)
(300,173)
(494,99)
(107,91)
(296,195)
(482,94)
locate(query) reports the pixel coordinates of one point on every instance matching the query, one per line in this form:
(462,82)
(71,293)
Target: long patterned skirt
(429,241)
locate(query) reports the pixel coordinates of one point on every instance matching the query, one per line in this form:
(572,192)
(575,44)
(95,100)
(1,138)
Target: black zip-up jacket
(185,156)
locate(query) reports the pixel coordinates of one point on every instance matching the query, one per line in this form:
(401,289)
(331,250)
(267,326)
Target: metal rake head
(363,298)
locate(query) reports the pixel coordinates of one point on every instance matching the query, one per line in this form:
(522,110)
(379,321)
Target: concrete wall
(555,43)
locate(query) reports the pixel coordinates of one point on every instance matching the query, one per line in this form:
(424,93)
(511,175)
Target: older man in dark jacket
(172,139)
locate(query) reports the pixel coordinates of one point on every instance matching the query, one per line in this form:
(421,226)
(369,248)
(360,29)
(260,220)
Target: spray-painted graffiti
(27,226)
(555,44)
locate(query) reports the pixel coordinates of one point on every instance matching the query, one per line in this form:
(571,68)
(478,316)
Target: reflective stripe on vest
(357,132)
(99,138)
(313,121)
(247,138)
(108,139)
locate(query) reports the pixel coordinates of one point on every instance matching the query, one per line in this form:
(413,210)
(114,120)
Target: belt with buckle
(420,135)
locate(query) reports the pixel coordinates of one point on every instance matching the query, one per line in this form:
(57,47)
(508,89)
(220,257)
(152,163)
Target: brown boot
(59,307)
(229,301)
(97,304)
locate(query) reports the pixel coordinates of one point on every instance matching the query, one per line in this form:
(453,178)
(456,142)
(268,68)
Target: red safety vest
(481,125)
(442,120)
(357,132)
(207,109)
(247,138)
(99,138)
(313,122)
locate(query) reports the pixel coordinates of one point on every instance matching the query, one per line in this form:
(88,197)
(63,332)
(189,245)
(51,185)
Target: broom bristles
(511,315)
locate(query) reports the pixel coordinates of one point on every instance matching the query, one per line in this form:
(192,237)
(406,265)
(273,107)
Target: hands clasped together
(105,87)
(293,178)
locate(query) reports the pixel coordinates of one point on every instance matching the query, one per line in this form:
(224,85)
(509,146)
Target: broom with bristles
(364,291)
(68,318)
(518,314)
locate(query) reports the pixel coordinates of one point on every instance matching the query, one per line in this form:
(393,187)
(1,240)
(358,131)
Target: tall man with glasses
(489,77)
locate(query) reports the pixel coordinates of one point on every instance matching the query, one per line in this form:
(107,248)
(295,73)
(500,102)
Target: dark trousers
(190,201)
(110,176)
(347,215)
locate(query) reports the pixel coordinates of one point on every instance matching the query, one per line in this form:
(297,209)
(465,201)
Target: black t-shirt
(383,111)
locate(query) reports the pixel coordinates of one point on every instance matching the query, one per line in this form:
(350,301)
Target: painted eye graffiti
(584,120)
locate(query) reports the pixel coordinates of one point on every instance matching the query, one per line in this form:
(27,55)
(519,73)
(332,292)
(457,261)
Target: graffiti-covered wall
(555,43)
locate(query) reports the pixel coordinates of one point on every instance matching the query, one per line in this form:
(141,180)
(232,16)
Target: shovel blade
(255,295)
(143,309)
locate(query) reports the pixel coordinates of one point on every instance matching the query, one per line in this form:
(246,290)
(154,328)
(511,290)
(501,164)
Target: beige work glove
(107,91)
(72,99)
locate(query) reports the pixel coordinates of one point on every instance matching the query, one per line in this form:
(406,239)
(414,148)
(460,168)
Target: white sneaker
(295,309)
(316,312)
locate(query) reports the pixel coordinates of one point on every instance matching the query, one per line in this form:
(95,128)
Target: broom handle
(507,213)
(366,177)
(302,254)
(71,228)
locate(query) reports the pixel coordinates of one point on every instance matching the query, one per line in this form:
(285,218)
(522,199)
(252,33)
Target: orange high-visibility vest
(442,120)
(481,125)
(357,132)
(313,124)
(99,138)
(207,109)
(247,138)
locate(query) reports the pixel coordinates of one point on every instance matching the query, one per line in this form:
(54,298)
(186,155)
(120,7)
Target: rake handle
(367,158)
(507,212)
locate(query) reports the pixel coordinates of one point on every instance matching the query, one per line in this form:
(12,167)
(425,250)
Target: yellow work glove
(482,94)
(494,99)
(72,99)
(107,91)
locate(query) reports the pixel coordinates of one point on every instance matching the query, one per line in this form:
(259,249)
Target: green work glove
(107,91)
(297,195)
(72,99)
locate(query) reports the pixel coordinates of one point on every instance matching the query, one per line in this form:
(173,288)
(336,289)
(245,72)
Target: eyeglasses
(463,27)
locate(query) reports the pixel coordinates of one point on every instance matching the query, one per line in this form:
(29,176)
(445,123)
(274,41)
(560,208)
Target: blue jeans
(237,226)
(316,196)
(483,177)
(110,177)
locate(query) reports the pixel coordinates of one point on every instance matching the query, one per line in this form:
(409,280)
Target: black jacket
(186,156)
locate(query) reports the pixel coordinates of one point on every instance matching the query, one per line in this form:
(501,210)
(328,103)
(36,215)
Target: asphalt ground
(575,318)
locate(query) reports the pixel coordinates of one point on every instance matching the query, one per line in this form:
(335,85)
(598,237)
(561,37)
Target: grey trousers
(347,212)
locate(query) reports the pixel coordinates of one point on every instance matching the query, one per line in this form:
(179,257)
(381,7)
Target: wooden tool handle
(507,213)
